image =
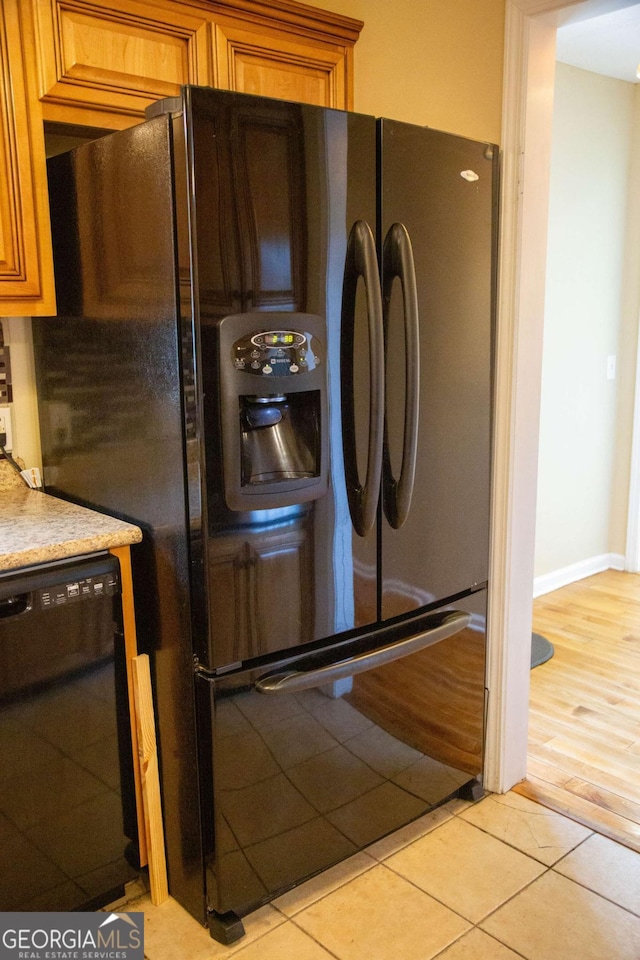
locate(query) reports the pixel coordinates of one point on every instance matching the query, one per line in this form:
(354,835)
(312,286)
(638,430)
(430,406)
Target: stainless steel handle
(290,681)
(397,261)
(361,261)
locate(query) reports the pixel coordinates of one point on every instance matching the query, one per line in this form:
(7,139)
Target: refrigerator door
(276,189)
(437,195)
(324,765)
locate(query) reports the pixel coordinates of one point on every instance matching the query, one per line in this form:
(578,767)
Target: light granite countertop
(37,528)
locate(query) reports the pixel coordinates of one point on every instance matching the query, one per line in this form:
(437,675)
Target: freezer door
(437,243)
(308,766)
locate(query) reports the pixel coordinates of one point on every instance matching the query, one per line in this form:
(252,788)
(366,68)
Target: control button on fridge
(294,368)
(267,368)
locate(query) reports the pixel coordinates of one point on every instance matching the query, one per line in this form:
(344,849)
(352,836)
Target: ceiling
(608,44)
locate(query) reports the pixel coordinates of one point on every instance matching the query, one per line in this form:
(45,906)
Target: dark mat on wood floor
(541,650)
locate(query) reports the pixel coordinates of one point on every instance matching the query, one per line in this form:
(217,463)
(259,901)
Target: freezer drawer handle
(397,261)
(361,261)
(293,680)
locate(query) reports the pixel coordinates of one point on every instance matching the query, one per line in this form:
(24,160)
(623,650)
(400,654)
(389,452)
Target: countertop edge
(67,550)
(36,528)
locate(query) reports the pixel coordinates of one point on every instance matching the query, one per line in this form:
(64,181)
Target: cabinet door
(260,60)
(102,65)
(26,268)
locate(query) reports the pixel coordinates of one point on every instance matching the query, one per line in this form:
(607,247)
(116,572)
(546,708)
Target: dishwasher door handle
(290,681)
(14,606)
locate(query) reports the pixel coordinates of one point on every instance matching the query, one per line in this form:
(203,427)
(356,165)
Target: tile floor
(498,880)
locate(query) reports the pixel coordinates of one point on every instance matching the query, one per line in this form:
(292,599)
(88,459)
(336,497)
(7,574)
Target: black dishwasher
(67,803)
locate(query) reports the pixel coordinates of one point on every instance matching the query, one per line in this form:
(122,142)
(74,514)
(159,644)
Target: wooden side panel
(131,652)
(149,774)
(272,64)
(26,267)
(102,66)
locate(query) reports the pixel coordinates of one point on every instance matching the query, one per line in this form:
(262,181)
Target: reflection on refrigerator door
(306,778)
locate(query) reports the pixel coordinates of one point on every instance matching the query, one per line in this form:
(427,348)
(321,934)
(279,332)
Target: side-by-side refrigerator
(273,353)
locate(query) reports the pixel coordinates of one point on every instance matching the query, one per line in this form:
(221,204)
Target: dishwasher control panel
(74,591)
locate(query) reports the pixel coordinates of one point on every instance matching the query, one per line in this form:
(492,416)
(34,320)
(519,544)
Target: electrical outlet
(6,390)
(6,427)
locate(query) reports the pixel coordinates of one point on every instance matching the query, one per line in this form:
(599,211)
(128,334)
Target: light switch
(611,367)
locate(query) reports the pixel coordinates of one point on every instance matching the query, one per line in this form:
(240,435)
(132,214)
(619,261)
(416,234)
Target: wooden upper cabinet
(26,264)
(26,267)
(296,65)
(101,64)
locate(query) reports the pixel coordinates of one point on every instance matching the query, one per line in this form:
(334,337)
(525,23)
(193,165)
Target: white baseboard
(577,571)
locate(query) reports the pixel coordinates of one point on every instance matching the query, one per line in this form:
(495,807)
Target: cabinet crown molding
(322,23)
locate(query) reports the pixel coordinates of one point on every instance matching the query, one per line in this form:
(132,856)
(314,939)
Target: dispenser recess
(273,408)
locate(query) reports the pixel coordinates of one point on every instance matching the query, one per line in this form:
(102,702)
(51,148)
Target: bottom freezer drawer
(303,779)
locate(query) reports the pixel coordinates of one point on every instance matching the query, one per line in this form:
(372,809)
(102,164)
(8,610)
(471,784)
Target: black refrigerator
(274,353)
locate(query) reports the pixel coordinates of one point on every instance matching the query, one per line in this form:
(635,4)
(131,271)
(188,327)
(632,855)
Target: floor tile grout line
(524,852)
(552,866)
(468,933)
(512,897)
(551,869)
(315,940)
(383,862)
(597,893)
(474,923)
(374,863)
(339,886)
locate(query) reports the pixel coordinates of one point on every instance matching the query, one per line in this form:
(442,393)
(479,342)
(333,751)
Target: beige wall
(590,314)
(431,62)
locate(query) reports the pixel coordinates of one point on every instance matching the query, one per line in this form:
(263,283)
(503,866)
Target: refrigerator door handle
(290,681)
(397,261)
(361,261)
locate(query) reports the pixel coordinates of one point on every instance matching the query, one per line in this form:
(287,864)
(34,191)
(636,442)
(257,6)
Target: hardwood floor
(584,720)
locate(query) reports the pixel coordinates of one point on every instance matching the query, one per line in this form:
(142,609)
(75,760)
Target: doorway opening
(530,66)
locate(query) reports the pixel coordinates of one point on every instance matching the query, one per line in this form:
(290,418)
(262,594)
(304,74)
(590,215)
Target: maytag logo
(71,936)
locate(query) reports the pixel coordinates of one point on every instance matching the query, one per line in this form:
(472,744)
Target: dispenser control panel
(276,353)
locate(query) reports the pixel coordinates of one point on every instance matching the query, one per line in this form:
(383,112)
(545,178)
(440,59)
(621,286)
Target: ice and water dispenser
(273,409)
